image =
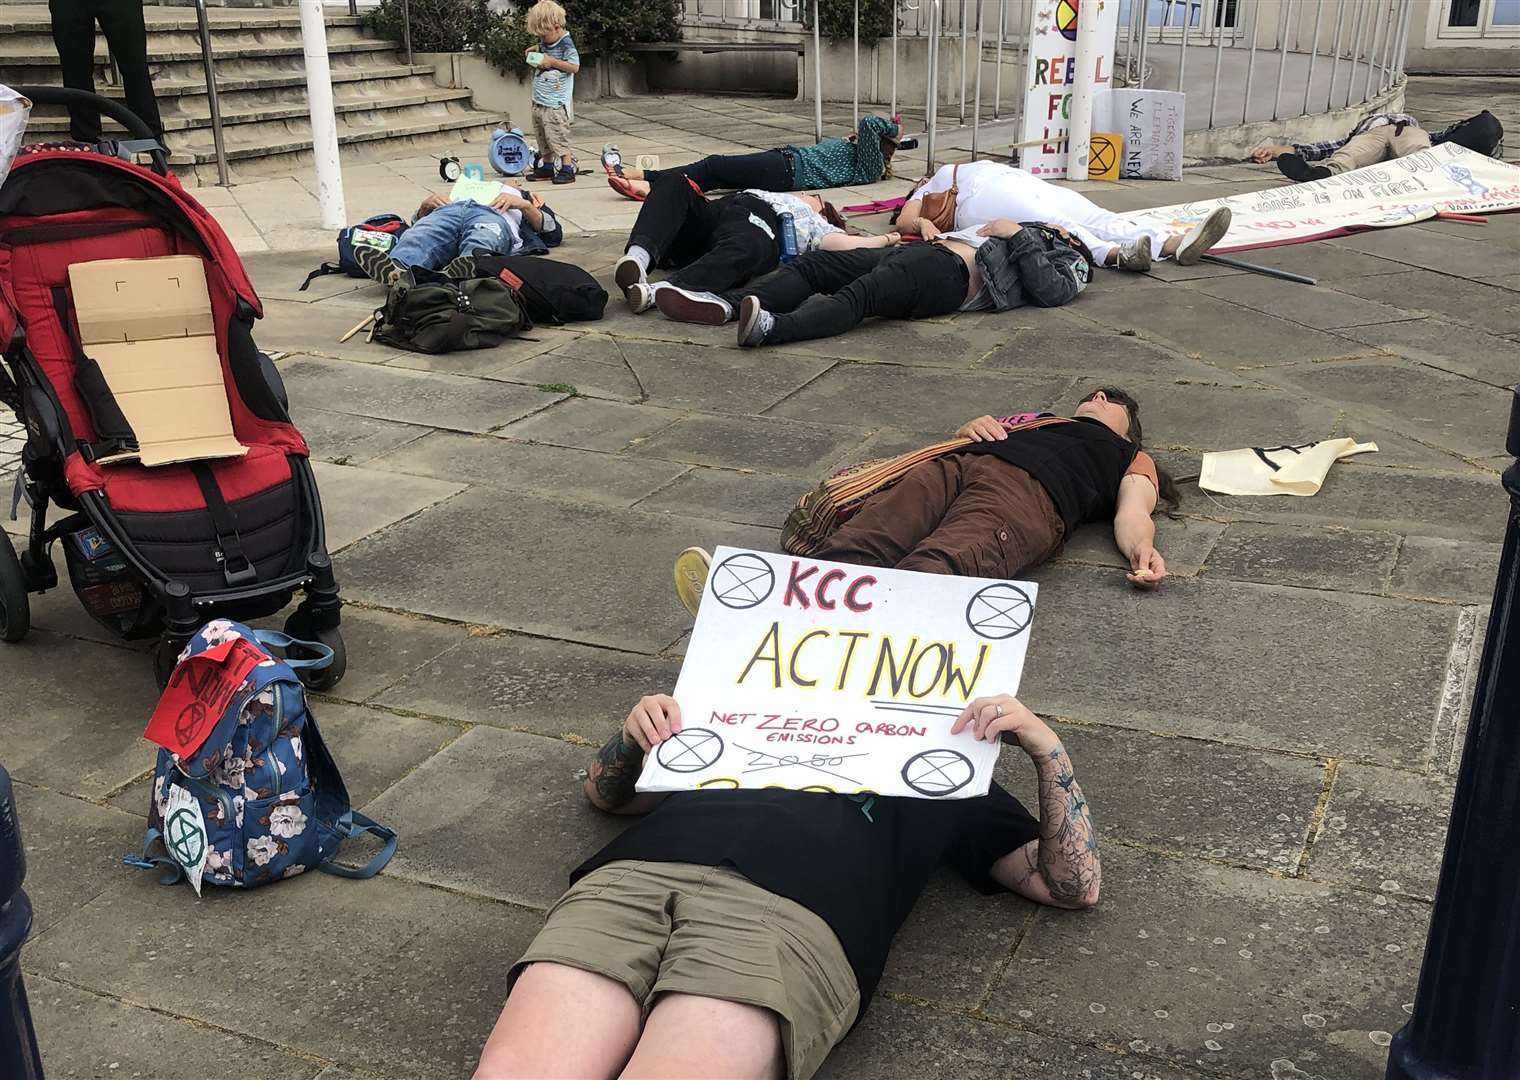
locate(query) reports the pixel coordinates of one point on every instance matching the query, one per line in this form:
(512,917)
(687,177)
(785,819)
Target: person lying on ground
(446,236)
(1007,502)
(989,190)
(995,267)
(742,932)
(862,158)
(720,243)
(1376,137)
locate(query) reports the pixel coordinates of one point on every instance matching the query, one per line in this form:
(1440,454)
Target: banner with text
(820,676)
(1443,179)
(1151,123)
(1051,74)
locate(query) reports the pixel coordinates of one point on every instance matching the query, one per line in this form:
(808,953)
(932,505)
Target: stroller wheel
(324,678)
(15,606)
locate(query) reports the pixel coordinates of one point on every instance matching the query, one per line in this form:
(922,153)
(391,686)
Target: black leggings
(74,36)
(824,293)
(768,170)
(715,243)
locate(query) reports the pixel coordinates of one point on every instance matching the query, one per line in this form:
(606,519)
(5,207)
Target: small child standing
(553,87)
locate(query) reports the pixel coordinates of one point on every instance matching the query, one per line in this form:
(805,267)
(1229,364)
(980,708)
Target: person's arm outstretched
(611,778)
(1061,868)
(841,241)
(1135,531)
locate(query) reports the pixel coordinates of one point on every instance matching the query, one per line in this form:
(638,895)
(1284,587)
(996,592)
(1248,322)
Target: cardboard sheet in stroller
(147,323)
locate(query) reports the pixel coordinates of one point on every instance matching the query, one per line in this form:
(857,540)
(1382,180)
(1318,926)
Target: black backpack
(1482,133)
(378,231)
(427,312)
(550,292)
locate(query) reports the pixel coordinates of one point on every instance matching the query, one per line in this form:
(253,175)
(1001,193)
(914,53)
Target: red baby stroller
(149,550)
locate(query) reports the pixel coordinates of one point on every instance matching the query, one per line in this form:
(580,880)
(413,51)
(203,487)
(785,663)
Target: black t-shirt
(1080,464)
(858,862)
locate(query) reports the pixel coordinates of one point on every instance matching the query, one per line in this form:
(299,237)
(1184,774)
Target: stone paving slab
(496,813)
(592,424)
(1484,307)
(745,498)
(73,850)
(725,381)
(443,401)
(1446,569)
(1448,345)
(939,401)
(1308,557)
(487,461)
(352,440)
(781,446)
(1185,544)
(895,1039)
(609,553)
(1384,830)
(1206,970)
(128,1043)
(1316,307)
(389,951)
(360,501)
(552,688)
(1143,666)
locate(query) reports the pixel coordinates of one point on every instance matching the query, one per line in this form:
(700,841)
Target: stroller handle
(59,95)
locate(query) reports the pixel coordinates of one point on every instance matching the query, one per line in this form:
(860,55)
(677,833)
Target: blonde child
(553,87)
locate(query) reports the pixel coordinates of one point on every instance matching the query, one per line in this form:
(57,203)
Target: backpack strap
(173,874)
(283,642)
(325,268)
(237,568)
(354,824)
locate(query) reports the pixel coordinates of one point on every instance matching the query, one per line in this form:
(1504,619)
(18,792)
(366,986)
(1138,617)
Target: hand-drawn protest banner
(820,676)
(1151,123)
(1443,179)
(1053,72)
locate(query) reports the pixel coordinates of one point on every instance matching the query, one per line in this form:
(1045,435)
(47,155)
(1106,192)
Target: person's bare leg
(561,1023)
(688,1037)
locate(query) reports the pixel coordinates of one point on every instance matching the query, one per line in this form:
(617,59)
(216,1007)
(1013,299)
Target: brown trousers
(968,514)
(1379,144)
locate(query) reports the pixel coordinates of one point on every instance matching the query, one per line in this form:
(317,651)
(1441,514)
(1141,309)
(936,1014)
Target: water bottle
(788,238)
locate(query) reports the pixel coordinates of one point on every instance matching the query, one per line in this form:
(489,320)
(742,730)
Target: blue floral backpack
(245,791)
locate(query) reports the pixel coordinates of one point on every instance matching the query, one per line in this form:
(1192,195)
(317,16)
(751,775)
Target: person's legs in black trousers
(737,250)
(673,228)
(122,23)
(818,272)
(914,282)
(74,37)
(767,170)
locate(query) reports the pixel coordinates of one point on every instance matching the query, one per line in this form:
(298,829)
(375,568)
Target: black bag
(1482,133)
(550,292)
(427,312)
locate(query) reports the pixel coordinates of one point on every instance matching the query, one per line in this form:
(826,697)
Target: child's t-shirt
(554,88)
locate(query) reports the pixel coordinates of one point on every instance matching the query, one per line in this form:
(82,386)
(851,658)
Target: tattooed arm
(611,778)
(1062,867)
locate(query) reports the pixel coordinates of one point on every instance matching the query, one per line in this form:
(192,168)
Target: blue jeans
(461,228)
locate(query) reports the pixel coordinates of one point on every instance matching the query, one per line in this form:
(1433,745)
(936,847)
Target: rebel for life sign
(821,676)
(1053,72)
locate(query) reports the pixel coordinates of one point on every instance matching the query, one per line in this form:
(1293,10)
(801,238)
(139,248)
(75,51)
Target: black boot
(1295,168)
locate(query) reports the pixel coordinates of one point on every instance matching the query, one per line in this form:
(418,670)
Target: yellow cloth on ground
(1276,470)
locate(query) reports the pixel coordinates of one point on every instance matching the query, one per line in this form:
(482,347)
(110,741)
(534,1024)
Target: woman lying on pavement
(863,158)
(1007,502)
(988,190)
(721,243)
(999,266)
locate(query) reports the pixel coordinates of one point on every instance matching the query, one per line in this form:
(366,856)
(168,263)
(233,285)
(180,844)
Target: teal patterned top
(840,162)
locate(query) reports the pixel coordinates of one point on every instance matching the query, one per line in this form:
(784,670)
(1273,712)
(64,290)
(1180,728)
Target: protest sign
(1051,74)
(820,676)
(1151,123)
(1443,179)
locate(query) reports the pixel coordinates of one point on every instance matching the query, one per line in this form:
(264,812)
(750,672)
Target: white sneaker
(687,305)
(640,297)
(628,273)
(691,577)
(1204,235)
(1135,256)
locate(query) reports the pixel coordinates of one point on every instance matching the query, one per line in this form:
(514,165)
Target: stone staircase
(384,107)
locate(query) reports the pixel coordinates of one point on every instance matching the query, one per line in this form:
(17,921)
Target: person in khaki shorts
(741,933)
(1375,138)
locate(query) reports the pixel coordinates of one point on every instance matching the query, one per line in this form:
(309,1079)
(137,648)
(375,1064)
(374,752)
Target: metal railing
(1263,60)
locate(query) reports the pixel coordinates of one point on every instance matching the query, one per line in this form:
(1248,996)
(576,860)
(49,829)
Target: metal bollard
(1469,996)
(19,1058)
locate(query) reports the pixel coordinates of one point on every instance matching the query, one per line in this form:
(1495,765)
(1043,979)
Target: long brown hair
(1166,487)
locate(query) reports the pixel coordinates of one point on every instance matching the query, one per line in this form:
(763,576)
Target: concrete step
(261,85)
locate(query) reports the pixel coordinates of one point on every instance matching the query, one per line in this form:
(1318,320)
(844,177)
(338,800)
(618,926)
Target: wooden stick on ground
(367,320)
